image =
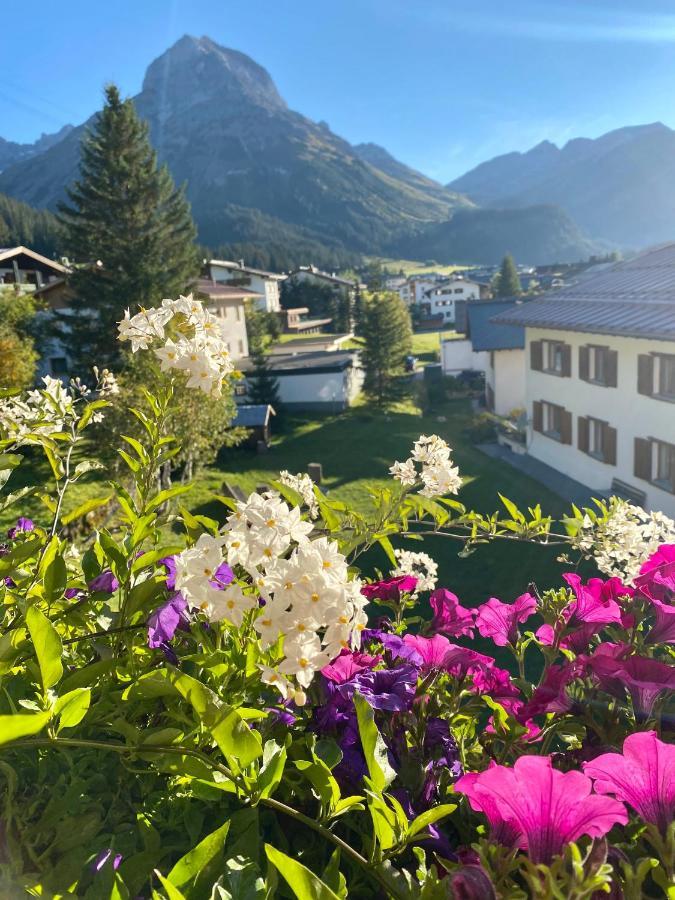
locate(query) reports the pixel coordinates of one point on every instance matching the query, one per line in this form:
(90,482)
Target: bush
(246,712)
(482,428)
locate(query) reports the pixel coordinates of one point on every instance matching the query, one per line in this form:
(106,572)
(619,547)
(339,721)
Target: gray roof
(635,298)
(250,415)
(310,363)
(238,266)
(324,276)
(485,333)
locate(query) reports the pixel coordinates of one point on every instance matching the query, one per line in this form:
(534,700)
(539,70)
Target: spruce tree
(263,387)
(508,283)
(127,228)
(385,335)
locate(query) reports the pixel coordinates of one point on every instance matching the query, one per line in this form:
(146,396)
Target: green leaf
(171,892)
(163,496)
(274,761)
(237,741)
(53,571)
(21,725)
(304,884)
(8,462)
(138,447)
(374,748)
(194,864)
(386,545)
(10,561)
(431,816)
(72,707)
(48,647)
(86,507)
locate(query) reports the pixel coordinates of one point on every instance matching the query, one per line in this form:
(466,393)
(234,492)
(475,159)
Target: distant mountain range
(619,188)
(254,168)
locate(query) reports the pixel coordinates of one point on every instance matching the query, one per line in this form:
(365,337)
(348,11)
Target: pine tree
(385,334)
(128,229)
(263,387)
(508,283)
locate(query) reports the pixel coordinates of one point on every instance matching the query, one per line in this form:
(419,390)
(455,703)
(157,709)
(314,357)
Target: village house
(27,270)
(440,300)
(265,285)
(326,381)
(313,275)
(600,379)
(228,304)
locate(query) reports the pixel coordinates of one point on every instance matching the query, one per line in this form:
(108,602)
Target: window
(597,364)
(598,439)
(596,434)
(665,376)
(664,465)
(459,290)
(239,314)
(553,420)
(241,346)
(58,365)
(553,356)
(240,390)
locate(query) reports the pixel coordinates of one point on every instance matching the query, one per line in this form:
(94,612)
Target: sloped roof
(250,415)
(635,298)
(485,333)
(324,276)
(216,290)
(322,361)
(247,270)
(11,252)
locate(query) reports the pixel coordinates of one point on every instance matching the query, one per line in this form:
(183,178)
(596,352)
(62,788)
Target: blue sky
(442,84)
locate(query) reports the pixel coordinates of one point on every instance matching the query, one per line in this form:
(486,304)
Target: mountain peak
(198,70)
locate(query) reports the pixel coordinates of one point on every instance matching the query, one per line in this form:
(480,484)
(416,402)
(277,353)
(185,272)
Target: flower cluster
(39,412)
(429,462)
(303,485)
(311,609)
(419,565)
(624,538)
(184,336)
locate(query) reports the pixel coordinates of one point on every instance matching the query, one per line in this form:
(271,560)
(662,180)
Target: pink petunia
(450,616)
(595,601)
(432,650)
(538,809)
(500,621)
(391,589)
(460,661)
(551,695)
(643,776)
(656,580)
(495,682)
(348,664)
(645,679)
(663,629)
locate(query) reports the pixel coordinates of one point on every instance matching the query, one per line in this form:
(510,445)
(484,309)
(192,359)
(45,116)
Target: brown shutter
(537,356)
(565,427)
(645,374)
(566,361)
(643,459)
(582,432)
(538,415)
(609,445)
(584,354)
(611,368)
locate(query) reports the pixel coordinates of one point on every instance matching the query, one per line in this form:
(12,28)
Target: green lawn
(415,267)
(356,449)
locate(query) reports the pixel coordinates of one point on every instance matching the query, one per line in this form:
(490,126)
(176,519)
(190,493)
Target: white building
(493,348)
(600,379)
(327,381)
(264,284)
(440,299)
(228,304)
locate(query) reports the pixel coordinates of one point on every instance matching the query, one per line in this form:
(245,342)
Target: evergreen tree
(263,387)
(128,229)
(385,334)
(508,283)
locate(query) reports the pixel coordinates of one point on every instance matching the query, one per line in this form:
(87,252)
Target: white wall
(266,286)
(507,380)
(459,354)
(632,414)
(316,390)
(232,320)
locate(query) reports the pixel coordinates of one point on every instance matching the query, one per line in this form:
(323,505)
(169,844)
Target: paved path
(567,488)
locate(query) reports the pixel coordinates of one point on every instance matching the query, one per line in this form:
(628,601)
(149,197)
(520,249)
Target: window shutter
(565,427)
(566,361)
(538,415)
(643,459)
(582,432)
(611,368)
(537,356)
(645,374)
(584,354)
(609,445)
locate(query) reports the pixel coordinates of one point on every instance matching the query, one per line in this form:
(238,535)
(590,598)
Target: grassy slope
(356,450)
(415,267)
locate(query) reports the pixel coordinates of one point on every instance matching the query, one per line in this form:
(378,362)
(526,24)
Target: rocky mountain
(381,159)
(11,152)
(619,187)
(218,121)
(537,234)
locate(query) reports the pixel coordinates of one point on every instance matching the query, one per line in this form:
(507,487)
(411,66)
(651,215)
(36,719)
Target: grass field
(426,345)
(415,267)
(356,449)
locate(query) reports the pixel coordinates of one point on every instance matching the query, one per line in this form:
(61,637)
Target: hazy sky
(442,84)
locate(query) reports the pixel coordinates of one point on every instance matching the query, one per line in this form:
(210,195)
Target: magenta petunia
(663,629)
(595,601)
(433,650)
(539,809)
(450,616)
(495,682)
(391,589)
(460,661)
(551,695)
(645,679)
(348,664)
(643,776)
(656,580)
(500,621)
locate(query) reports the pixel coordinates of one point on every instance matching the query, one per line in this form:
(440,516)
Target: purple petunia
(163,623)
(105,582)
(386,689)
(23,525)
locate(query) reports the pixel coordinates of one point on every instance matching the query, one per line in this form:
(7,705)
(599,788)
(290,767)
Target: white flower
(231,604)
(303,485)
(272,677)
(405,472)
(419,565)
(440,479)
